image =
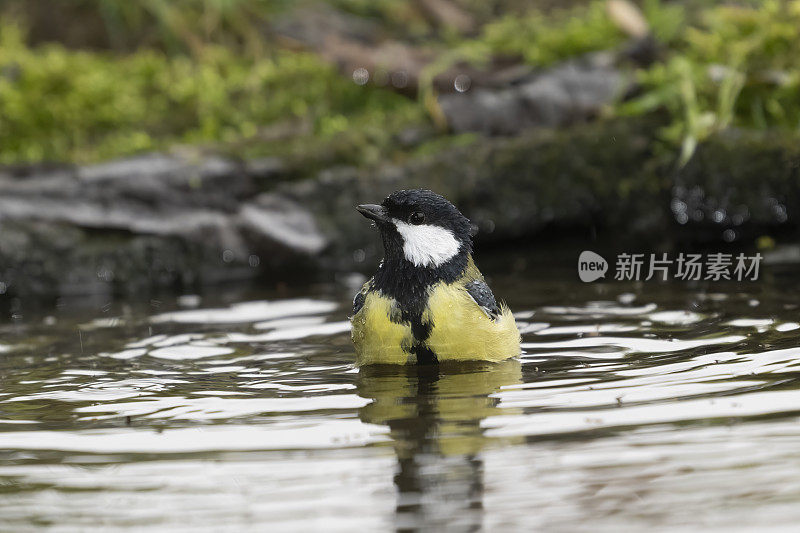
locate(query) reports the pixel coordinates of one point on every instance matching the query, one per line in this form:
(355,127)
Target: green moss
(738,66)
(202,73)
(59,104)
(542,39)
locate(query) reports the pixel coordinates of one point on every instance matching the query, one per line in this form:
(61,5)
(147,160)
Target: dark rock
(150,221)
(510,188)
(738,185)
(605,179)
(266,171)
(160,221)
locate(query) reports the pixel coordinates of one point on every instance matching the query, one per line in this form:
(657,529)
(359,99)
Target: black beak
(373,212)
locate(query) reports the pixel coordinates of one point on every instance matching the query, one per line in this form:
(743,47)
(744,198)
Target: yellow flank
(462,331)
(378,340)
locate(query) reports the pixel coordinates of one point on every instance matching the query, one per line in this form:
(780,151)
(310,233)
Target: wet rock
(163,221)
(149,221)
(738,185)
(160,180)
(605,180)
(510,188)
(283,223)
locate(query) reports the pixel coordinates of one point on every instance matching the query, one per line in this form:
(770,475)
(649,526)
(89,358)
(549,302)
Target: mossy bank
(168,222)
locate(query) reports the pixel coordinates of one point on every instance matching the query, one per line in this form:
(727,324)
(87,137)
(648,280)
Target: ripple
(675,317)
(189,351)
(750,322)
(350,492)
(650,476)
(683,407)
(601,309)
(322,434)
(180,408)
(627,345)
(294,333)
(589,328)
(247,312)
(551,423)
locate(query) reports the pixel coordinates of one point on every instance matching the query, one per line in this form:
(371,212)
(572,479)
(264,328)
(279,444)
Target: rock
(266,171)
(510,188)
(163,221)
(139,223)
(605,179)
(738,185)
(566,94)
(284,222)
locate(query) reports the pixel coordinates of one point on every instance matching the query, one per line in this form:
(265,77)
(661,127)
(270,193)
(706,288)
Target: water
(663,406)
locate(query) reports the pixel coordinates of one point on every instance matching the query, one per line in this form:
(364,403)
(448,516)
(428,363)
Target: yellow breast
(460,330)
(377,339)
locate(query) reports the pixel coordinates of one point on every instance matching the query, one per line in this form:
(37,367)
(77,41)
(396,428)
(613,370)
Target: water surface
(667,406)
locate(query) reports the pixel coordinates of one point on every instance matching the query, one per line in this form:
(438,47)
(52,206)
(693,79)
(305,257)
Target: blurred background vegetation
(89,80)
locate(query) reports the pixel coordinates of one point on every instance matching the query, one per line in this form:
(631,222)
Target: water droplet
(729,235)
(361,76)
(462,83)
(678,206)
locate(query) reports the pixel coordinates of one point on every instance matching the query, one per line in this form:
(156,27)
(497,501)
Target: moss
(59,104)
(544,39)
(724,66)
(737,67)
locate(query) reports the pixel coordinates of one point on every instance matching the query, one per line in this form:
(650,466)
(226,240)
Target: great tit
(428,302)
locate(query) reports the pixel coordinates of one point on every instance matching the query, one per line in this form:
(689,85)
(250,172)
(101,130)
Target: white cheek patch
(426,245)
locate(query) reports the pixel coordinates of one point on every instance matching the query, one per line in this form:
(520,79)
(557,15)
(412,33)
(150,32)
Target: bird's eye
(416,218)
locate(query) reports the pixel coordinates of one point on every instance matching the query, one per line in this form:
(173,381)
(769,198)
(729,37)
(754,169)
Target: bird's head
(420,227)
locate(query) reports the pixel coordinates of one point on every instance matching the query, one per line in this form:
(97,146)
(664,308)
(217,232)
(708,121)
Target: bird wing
(358,301)
(483,296)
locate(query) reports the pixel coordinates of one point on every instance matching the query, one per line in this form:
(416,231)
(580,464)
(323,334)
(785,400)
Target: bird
(427,303)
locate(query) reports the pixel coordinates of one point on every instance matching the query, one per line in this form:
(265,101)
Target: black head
(420,227)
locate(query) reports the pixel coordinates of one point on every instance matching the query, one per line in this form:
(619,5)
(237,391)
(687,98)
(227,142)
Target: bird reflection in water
(434,414)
